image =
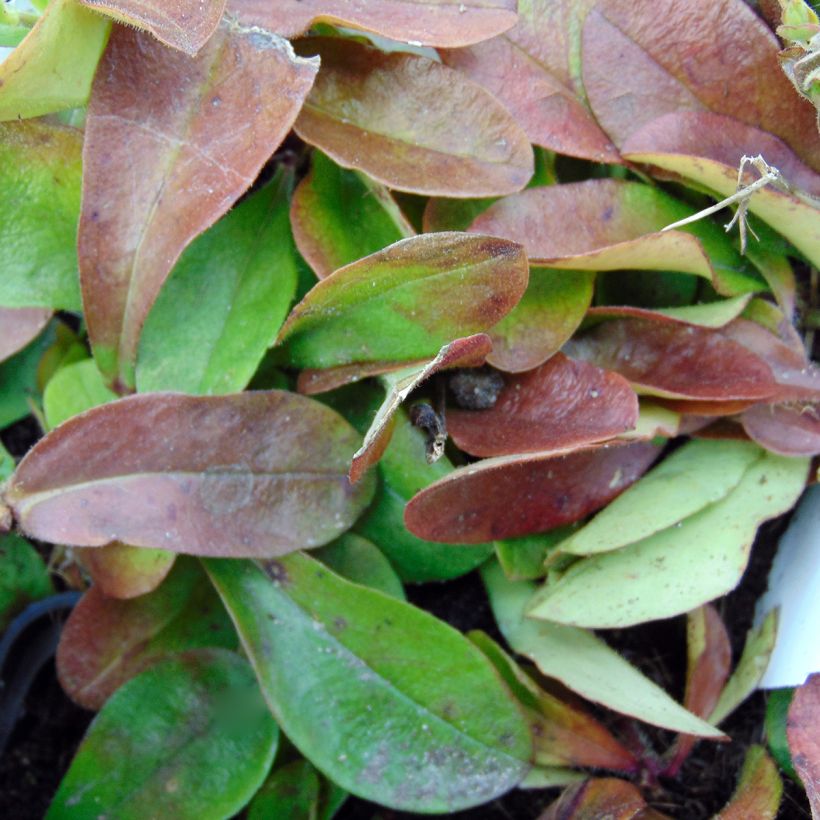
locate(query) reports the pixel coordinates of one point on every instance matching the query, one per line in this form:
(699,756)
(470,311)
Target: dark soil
(51,727)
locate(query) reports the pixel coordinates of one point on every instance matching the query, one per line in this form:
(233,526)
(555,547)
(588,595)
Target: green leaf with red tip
(522,494)
(224,302)
(681,567)
(559,406)
(412,123)
(664,145)
(123,571)
(407,301)
(549,313)
(600,797)
(164,160)
(339,216)
(582,661)
(758,791)
(801,729)
(40,170)
(390,703)
(182,24)
(19,326)
(621,223)
(438,23)
(533,69)
(182,613)
(201,746)
(706,314)
(636,70)
(252,474)
(53,67)
(661,357)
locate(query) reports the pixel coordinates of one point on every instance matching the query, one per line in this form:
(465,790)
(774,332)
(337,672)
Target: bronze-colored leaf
(412,123)
(758,791)
(18,326)
(182,24)
(518,495)
(438,23)
(123,571)
(804,742)
(253,474)
(561,405)
(789,429)
(164,159)
(603,797)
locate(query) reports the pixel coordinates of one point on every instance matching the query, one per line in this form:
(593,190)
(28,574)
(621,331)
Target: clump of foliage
(505,364)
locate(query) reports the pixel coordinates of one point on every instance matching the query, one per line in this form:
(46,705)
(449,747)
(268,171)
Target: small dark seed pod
(475,388)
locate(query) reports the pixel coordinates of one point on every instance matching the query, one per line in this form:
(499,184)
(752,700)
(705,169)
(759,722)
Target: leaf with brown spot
(671,144)
(182,24)
(597,798)
(610,224)
(404,303)
(674,360)
(548,314)
(517,495)
(532,69)
(164,159)
(758,790)
(788,429)
(469,352)
(183,613)
(123,571)
(804,743)
(18,326)
(412,123)
(559,406)
(709,658)
(252,474)
(641,62)
(449,23)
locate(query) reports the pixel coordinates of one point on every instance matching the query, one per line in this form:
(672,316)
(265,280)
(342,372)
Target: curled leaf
(787,429)
(163,160)
(251,474)
(427,129)
(561,405)
(405,302)
(522,494)
(182,24)
(758,790)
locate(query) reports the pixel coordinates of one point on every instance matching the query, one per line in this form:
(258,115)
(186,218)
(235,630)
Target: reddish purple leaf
(709,659)
(438,23)
(123,571)
(412,123)
(642,60)
(182,24)
(312,381)
(245,475)
(676,360)
(561,405)
(789,429)
(804,739)
(469,352)
(518,495)
(18,326)
(529,68)
(601,797)
(164,159)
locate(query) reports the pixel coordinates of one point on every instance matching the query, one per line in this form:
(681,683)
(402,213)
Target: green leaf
(750,668)
(6,463)
(696,475)
(404,471)
(339,216)
(583,662)
(72,390)
(40,171)
(23,577)
(522,558)
(778,702)
(291,792)
(407,301)
(390,703)
(678,568)
(18,377)
(52,69)
(224,302)
(182,613)
(190,738)
(361,561)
